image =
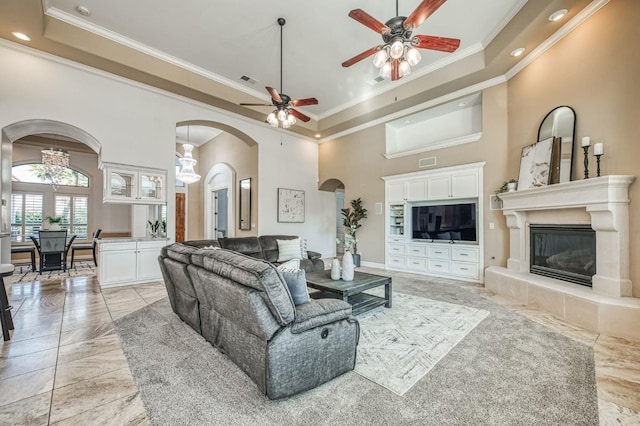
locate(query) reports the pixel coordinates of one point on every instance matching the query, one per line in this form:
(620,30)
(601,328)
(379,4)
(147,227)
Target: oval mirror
(560,124)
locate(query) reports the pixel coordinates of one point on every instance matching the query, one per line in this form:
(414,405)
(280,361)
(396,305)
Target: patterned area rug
(399,346)
(81,268)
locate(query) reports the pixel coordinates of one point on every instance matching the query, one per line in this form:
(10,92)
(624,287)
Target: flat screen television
(447,222)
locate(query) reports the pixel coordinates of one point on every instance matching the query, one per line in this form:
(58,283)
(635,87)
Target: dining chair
(66,252)
(51,247)
(88,246)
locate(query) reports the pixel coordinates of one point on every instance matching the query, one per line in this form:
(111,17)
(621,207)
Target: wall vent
(427,162)
(248,79)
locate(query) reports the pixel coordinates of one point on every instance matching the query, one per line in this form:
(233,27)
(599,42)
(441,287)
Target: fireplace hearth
(565,252)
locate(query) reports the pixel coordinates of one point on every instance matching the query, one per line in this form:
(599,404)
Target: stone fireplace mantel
(605,199)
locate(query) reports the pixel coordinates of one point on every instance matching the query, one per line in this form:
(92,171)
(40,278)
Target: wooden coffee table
(352,291)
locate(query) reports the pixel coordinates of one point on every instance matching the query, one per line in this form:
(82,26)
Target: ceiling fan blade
(304,102)
(443,44)
(369,21)
(245,104)
(422,12)
(395,70)
(274,94)
(299,115)
(360,57)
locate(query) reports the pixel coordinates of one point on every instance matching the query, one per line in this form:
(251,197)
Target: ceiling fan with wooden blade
(284,115)
(398,53)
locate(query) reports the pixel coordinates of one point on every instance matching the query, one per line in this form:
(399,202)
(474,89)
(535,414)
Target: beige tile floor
(65,364)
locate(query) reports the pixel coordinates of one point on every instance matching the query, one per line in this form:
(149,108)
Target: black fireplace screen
(565,252)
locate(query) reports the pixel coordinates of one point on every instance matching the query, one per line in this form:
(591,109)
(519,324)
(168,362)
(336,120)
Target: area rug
(81,268)
(508,370)
(399,346)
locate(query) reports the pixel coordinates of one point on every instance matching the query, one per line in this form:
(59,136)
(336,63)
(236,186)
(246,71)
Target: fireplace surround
(600,203)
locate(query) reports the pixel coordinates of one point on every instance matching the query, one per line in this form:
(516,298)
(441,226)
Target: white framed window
(74,210)
(26,215)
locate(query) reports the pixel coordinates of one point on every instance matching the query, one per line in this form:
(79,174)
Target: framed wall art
(290,205)
(535,164)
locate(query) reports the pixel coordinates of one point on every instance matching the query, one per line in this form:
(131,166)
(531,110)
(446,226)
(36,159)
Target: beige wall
(357,160)
(243,159)
(595,70)
(589,70)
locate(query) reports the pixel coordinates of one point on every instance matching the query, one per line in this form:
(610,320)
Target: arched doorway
(13,133)
(336,186)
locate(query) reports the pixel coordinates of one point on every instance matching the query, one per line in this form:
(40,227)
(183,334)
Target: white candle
(598,149)
(586,141)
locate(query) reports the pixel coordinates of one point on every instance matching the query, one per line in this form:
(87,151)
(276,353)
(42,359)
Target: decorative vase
(54,227)
(356,260)
(347,267)
(335,269)
(511,186)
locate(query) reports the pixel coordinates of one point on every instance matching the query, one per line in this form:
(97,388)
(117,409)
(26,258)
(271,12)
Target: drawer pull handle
(415,263)
(437,252)
(438,266)
(464,269)
(464,254)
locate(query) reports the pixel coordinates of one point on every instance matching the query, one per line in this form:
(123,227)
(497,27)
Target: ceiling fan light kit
(398,53)
(284,116)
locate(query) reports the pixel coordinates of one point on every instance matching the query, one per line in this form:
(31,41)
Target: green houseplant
(154,226)
(508,186)
(351,217)
(54,222)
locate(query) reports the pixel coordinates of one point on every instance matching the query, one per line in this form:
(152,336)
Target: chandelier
(398,49)
(187,173)
(281,116)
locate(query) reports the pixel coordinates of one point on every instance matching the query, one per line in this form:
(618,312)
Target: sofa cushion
(288,249)
(297,283)
(254,273)
(245,245)
(292,265)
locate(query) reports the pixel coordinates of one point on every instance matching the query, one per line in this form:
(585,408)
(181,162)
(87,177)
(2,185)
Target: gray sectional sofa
(243,307)
(264,247)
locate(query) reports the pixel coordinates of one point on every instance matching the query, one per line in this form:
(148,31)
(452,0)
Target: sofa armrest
(313,254)
(319,312)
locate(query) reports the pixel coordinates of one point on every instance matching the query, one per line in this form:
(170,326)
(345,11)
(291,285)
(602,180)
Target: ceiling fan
(398,53)
(284,115)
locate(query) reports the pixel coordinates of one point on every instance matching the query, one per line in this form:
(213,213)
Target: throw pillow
(288,249)
(297,283)
(303,248)
(292,265)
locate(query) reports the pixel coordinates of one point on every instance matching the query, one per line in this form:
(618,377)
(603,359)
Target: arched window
(37,173)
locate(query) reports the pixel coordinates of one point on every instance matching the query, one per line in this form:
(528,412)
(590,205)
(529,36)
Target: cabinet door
(152,187)
(120,185)
(395,192)
(148,267)
(416,190)
(464,185)
(439,187)
(117,266)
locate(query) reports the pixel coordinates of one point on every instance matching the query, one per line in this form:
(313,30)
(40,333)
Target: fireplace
(565,252)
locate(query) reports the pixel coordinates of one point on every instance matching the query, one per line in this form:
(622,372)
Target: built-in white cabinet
(454,259)
(125,184)
(129,262)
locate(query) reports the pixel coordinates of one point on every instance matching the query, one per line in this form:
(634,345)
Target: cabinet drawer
(397,261)
(439,265)
(396,248)
(466,254)
(130,245)
(396,240)
(465,269)
(151,244)
(443,252)
(416,250)
(419,263)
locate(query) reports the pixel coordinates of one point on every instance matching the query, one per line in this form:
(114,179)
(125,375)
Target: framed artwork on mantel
(535,165)
(290,205)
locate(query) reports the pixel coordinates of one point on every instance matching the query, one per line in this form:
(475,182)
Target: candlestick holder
(598,164)
(586,161)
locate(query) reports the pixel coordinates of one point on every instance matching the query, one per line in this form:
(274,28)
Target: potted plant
(154,226)
(351,217)
(54,222)
(508,186)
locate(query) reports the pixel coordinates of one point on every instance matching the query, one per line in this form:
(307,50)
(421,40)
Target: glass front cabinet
(396,219)
(128,185)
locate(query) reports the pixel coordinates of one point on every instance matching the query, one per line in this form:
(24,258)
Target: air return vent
(248,79)
(427,162)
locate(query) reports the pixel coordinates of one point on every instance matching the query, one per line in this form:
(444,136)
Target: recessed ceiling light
(317,135)
(517,52)
(463,103)
(557,15)
(83,10)
(21,36)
